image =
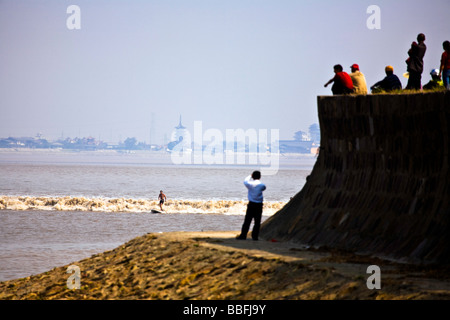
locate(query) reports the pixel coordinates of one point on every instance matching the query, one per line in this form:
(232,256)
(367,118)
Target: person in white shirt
(255,205)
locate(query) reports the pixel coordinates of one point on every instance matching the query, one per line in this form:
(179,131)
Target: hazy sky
(229,63)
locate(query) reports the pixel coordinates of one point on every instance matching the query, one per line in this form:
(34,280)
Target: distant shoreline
(107,151)
(141,157)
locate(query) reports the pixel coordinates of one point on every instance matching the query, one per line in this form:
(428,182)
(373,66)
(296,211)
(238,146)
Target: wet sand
(214,265)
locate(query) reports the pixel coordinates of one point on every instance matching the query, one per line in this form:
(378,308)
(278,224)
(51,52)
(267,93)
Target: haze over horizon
(134,67)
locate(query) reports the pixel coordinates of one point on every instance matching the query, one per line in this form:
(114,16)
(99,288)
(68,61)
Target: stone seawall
(381,183)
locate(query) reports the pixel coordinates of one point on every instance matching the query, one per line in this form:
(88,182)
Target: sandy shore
(214,265)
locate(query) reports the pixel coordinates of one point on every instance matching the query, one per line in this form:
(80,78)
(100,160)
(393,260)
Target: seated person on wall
(342,82)
(435,82)
(389,83)
(358,79)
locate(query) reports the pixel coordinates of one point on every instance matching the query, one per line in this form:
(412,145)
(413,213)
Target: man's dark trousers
(414,81)
(339,88)
(254,211)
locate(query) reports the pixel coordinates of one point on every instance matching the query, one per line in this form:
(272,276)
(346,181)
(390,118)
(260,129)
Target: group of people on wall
(355,82)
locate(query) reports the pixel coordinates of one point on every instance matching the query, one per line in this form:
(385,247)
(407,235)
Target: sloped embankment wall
(381,183)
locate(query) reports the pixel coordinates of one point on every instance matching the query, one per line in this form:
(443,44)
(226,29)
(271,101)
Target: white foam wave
(20,203)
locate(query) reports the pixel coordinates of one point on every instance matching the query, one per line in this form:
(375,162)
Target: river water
(57,208)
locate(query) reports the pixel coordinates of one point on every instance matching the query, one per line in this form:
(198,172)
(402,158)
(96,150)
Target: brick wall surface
(381,183)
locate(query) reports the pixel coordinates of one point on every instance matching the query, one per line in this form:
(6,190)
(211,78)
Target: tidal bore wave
(22,203)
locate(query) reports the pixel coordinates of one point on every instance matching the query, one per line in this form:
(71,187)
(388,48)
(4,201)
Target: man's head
(420,37)
(337,68)
(256,175)
(435,74)
(389,70)
(446,45)
(354,67)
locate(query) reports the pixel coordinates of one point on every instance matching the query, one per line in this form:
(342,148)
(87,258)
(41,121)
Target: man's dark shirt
(391,82)
(416,54)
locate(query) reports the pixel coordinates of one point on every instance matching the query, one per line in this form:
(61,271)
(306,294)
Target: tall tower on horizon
(180,126)
(180,132)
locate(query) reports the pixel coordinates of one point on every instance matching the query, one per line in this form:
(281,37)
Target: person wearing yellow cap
(389,83)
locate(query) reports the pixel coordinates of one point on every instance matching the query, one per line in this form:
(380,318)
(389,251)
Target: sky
(134,67)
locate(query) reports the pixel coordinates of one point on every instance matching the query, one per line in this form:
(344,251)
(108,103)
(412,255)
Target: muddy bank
(213,265)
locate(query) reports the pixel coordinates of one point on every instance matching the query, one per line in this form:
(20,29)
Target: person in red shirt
(343,84)
(444,69)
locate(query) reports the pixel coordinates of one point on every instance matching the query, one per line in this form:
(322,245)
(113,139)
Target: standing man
(162,198)
(342,82)
(444,69)
(358,79)
(255,205)
(415,63)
